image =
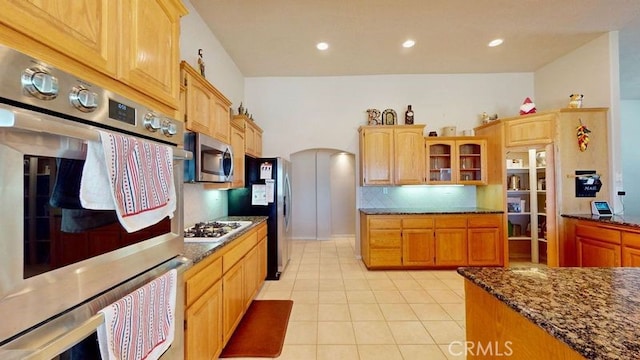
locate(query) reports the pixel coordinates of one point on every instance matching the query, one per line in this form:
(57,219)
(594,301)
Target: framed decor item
(389,117)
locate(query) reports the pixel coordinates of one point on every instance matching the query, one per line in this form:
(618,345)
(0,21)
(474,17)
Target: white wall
(325,112)
(220,69)
(591,70)
(630,128)
(342,175)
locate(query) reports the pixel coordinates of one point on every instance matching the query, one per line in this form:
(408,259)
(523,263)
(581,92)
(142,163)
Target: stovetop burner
(211,229)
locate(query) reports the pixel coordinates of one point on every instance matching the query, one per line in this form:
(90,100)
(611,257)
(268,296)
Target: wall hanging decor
(583,136)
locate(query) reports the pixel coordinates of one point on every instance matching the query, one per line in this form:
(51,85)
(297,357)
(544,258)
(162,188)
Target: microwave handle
(43,123)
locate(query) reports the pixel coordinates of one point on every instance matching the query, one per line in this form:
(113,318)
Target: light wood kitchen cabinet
(484,240)
(418,246)
(203,321)
(525,137)
(233,299)
(150,53)
(207,109)
(252,135)
(121,53)
(598,247)
(451,240)
(630,249)
(430,241)
(237,144)
(392,155)
(456,160)
(219,289)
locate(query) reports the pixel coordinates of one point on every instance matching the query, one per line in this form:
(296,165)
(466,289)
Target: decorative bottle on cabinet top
(408,116)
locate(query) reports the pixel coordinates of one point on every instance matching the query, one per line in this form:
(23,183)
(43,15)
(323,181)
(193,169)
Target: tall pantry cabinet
(542,151)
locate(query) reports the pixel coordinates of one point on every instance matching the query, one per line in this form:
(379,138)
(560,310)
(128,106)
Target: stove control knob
(83,99)
(152,122)
(169,128)
(39,83)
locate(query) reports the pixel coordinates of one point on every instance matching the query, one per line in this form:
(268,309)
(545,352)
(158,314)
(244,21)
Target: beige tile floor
(343,311)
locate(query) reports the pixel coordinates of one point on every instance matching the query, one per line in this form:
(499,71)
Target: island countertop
(624,220)
(196,251)
(428,211)
(595,311)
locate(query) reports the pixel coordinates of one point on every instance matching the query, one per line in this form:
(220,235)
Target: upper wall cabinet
(129,46)
(252,135)
(456,160)
(206,109)
(392,155)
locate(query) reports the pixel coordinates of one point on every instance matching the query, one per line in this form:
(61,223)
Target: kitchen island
(431,238)
(552,313)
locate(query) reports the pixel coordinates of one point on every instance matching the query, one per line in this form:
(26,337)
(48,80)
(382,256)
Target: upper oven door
(55,254)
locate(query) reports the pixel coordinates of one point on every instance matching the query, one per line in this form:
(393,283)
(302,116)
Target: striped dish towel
(141,325)
(129,175)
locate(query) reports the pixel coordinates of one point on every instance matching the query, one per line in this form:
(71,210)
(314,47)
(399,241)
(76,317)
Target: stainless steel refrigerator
(267,192)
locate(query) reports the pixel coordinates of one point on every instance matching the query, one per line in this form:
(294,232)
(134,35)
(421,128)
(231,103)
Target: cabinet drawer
(386,257)
(417,223)
(451,222)
(598,233)
(485,221)
(385,223)
(631,239)
(203,279)
(262,231)
(241,248)
(385,238)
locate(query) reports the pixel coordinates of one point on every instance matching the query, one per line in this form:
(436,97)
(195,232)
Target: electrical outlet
(622,193)
(385,190)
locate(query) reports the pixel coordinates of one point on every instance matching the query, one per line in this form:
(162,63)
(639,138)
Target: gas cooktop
(213,231)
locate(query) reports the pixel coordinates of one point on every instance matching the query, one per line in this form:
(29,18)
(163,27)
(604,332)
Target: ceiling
(278,37)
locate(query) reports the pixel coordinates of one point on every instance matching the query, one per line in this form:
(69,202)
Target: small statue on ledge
(200,62)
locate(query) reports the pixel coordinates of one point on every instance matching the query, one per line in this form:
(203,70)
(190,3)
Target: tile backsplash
(417,196)
(201,204)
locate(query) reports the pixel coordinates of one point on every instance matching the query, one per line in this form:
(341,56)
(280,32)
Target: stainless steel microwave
(212,159)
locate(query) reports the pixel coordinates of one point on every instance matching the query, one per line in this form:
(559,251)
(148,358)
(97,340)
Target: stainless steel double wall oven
(59,262)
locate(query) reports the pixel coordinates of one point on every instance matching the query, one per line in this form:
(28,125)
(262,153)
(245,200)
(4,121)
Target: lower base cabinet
(219,289)
(603,244)
(431,241)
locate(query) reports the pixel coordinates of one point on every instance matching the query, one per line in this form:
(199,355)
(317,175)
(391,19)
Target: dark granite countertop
(196,251)
(426,210)
(595,311)
(624,220)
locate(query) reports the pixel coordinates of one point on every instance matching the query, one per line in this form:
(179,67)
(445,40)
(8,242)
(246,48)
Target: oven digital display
(121,112)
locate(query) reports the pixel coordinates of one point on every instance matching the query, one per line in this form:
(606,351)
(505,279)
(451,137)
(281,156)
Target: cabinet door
(258,143)
(221,121)
(233,299)
(440,158)
(251,280)
(593,253)
(203,325)
(376,156)
(471,162)
(484,247)
(451,247)
(418,247)
(237,144)
(150,53)
(199,102)
(250,135)
(409,156)
(529,130)
(84,30)
(630,257)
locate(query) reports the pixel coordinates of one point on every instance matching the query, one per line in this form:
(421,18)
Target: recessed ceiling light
(322,46)
(495,42)
(409,43)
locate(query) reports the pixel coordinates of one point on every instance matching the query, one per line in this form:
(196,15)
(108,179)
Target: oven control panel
(65,94)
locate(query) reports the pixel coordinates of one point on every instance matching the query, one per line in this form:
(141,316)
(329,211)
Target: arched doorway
(324,194)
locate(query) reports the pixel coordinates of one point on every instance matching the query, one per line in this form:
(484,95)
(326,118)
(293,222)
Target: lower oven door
(53,254)
(72,335)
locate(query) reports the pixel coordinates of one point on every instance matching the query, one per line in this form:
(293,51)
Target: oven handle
(50,125)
